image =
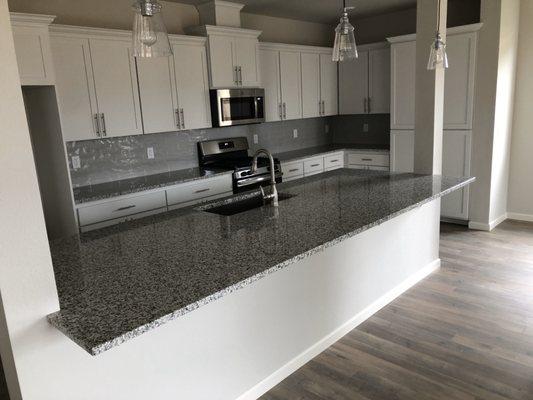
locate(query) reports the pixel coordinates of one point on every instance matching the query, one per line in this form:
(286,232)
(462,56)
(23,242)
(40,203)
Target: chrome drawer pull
(294,169)
(315,165)
(202,190)
(333,160)
(366,159)
(125,208)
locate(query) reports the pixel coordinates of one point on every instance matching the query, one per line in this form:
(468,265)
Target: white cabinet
(203,189)
(281,76)
(291,90)
(456,159)
(367,160)
(233,56)
(292,170)
(313,166)
(364,83)
(311,101)
(96,83)
(328,85)
(32,47)
(402,151)
(403,76)
(334,161)
(190,62)
(459,80)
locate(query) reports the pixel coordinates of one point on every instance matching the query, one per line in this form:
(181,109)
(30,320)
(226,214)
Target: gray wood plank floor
(465,332)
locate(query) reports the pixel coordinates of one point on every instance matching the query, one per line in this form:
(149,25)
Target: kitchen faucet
(274,192)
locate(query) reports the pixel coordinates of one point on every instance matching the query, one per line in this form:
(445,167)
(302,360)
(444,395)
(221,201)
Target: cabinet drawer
(292,170)
(114,209)
(334,161)
(313,166)
(377,160)
(199,189)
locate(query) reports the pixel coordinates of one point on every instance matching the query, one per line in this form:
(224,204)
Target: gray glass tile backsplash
(111,159)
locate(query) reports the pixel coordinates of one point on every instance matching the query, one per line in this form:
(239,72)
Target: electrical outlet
(76,163)
(256,138)
(365,127)
(150,153)
(295,133)
(326,128)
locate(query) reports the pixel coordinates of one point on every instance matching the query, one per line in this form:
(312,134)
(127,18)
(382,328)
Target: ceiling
(324,11)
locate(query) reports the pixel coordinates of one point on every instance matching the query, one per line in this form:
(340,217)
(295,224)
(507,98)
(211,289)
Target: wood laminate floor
(465,332)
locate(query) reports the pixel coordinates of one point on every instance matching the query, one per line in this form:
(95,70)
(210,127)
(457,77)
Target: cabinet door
(459,82)
(353,85)
(193,88)
(379,81)
(158,94)
(246,58)
(403,71)
(32,47)
(402,151)
(310,85)
(328,85)
(221,61)
(117,92)
(456,162)
(270,77)
(75,88)
(290,73)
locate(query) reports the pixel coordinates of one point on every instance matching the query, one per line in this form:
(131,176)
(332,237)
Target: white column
(27,285)
(429,90)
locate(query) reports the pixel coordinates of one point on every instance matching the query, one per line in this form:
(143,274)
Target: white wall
(493,105)
(520,200)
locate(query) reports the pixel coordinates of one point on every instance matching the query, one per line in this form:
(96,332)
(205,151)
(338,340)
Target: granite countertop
(100,191)
(328,148)
(85,194)
(119,282)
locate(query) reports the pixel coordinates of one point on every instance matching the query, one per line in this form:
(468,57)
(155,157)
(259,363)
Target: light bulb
(147,36)
(437,54)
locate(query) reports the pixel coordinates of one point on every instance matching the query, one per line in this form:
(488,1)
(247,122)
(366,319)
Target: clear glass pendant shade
(437,56)
(344,47)
(150,37)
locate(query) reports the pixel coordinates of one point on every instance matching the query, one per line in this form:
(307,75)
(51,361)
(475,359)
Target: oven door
(237,106)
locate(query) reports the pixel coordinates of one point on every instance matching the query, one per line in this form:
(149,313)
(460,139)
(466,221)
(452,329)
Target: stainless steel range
(232,155)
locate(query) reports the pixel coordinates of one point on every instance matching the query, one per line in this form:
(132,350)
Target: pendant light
(150,37)
(345,47)
(437,55)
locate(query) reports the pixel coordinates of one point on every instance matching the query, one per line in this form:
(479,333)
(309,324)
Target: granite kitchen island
(345,244)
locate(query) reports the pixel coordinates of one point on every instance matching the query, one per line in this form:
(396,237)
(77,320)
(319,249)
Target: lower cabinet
(367,160)
(456,159)
(102,213)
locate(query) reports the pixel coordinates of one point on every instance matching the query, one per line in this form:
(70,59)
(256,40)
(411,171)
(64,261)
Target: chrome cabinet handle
(280,111)
(202,190)
(320,107)
(240,75)
(97,124)
(315,165)
(104,130)
(333,160)
(284,110)
(125,208)
(182,114)
(369,105)
(235,76)
(365,106)
(294,169)
(366,159)
(323,107)
(178,121)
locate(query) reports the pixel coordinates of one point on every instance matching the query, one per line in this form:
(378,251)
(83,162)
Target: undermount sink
(242,205)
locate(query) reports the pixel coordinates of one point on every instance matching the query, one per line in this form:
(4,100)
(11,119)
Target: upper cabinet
(96,84)
(459,80)
(364,83)
(299,81)
(175,91)
(233,56)
(32,47)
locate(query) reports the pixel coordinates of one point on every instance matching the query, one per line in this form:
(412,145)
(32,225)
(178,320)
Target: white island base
(246,342)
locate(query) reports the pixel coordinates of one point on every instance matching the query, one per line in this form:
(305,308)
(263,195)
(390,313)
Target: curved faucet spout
(274,192)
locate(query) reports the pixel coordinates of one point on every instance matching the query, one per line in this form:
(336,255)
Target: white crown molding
(456,30)
(293,47)
(373,46)
(19,19)
(222,3)
(206,30)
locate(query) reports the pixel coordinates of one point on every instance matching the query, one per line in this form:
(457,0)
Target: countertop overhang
(119,282)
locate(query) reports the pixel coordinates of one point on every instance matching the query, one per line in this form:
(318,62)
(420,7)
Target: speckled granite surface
(328,148)
(119,282)
(101,191)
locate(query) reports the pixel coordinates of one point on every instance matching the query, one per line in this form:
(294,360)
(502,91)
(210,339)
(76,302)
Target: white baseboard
(520,217)
(481,226)
(297,362)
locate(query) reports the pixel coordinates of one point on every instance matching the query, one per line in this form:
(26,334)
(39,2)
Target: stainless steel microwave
(237,106)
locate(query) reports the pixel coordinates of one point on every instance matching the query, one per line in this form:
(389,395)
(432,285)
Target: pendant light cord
(438,16)
(344,4)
